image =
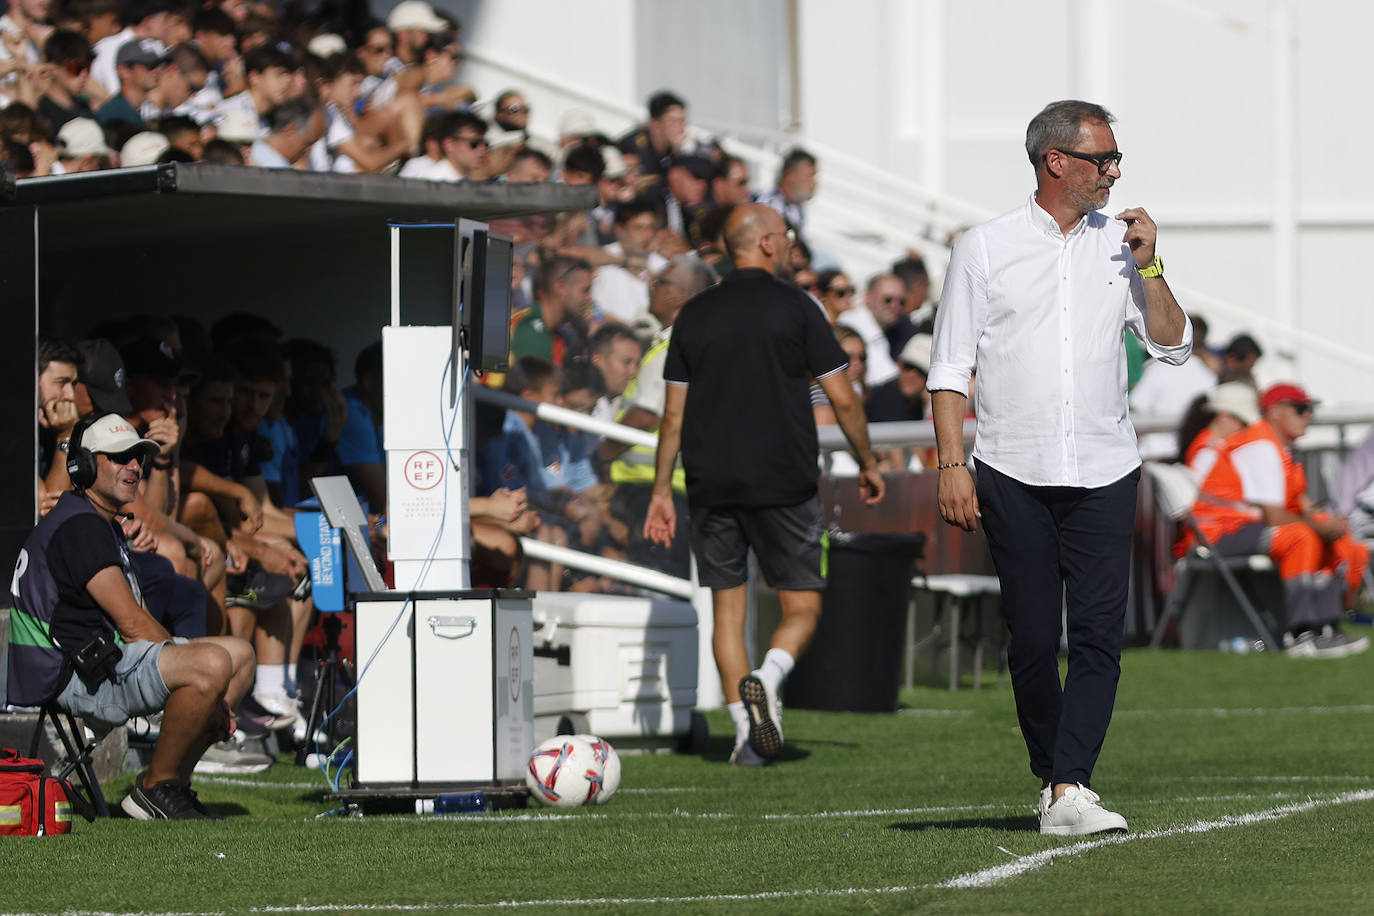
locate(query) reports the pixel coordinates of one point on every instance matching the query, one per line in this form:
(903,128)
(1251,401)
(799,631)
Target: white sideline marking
(663,790)
(1222,712)
(982,878)
(989,876)
(1279,778)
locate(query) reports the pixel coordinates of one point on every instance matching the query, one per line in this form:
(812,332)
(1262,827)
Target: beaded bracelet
(955,464)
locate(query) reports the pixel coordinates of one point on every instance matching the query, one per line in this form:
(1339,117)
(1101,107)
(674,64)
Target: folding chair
(1175,491)
(78,759)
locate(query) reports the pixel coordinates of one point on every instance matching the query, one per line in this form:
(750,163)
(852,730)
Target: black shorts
(786,540)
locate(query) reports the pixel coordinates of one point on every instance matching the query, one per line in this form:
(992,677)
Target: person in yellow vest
(632,467)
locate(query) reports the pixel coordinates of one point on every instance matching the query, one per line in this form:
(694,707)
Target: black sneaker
(765,717)
(257,589)
(168,800)
(205,812)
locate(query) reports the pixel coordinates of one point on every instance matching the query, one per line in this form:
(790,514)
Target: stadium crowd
(243,417)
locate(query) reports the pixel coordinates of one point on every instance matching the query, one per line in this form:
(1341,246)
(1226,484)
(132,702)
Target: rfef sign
(424,470)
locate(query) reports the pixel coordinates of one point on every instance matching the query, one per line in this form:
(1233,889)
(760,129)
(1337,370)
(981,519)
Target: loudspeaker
(80,460)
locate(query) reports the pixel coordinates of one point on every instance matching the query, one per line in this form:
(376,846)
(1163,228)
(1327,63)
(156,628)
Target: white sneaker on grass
(1043,803)
(228,757)
(765,715)
(279,703)
(744,756)
(1077,813)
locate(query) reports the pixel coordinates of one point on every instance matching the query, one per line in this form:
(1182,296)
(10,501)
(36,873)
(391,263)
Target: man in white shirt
(1038,299)
(143,20)
(862,320)
(1165,391)
(621,290)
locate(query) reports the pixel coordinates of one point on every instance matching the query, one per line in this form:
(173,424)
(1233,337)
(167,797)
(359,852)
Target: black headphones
(81,460)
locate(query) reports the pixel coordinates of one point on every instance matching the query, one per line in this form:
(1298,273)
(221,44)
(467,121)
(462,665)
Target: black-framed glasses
(515,109)
(1103,161)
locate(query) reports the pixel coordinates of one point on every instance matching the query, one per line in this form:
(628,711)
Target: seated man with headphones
(80,635)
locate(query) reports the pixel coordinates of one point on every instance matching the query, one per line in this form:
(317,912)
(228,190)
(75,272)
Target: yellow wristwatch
(1154,270)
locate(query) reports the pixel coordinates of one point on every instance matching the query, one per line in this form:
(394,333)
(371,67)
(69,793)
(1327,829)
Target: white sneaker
(1077,812)
(1043,804)
(744,756)
(279,703)
(765,715)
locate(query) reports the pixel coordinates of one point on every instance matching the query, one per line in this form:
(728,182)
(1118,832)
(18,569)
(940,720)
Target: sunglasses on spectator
(77,67)
(888,300)
(480,141)
(812,287)
(1103,161)
(1301,410)
(841,291)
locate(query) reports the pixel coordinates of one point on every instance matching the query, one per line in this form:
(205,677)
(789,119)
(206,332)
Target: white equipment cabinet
(448,700)
(619,667)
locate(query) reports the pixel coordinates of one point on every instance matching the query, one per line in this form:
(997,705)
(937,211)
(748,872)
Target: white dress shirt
(1042,316)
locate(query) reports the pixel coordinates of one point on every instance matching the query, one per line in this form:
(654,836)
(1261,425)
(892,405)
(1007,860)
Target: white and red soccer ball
(569,771)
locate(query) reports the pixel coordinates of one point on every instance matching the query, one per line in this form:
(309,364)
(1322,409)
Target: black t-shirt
(886,403)
(748,349)
(81,547)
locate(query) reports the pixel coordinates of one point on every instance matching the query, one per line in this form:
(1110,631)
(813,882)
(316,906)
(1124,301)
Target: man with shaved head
(738,372)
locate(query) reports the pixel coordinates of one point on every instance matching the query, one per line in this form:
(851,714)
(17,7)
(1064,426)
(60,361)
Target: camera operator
(82,637)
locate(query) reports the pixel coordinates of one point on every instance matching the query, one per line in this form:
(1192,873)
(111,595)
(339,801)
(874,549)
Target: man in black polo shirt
(81,635)
(739,371)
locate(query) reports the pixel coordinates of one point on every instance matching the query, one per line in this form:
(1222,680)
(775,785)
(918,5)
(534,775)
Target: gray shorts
(138,690)
(786,540)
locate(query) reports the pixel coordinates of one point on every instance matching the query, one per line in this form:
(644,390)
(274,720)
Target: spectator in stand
(554,327)
(455,149)
(657,142)
(296,127)
(241,129)
(795,186)
(529,166)
(511,112)
(69,57)
(730,182)
(685,200)
(905,397)
(1255,500)
(886,298)
(1166,391)
(184,134)
(184,72)
(911,270)
(1211,418)
(621,289)
(582,164)
(342,149)
(1238,360)
(615,187)
(837,293)
(224,152)
(141,20)
(881,298)
(360,450)
(213,35)
(269,72)
(25,28)
(139,65)
(414,24)
(615,357)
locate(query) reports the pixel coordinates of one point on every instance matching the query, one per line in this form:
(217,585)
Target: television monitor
(489,314)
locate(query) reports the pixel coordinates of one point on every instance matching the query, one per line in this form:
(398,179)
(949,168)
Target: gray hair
(1057,126)
(698,275)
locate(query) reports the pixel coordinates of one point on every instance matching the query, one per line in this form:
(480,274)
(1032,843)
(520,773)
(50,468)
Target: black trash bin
(854,663)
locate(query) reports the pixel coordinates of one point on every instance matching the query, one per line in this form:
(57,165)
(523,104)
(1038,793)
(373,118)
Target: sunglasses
(1301,410)
(77,67)
(841,291)
(515,109)
(1103,161)
(888,300)
(480,141)
(129,454)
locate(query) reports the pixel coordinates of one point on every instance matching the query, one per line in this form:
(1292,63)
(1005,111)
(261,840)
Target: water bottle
(453,803)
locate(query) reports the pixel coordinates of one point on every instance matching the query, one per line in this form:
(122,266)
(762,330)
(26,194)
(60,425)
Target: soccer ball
(564,772)
(610,767)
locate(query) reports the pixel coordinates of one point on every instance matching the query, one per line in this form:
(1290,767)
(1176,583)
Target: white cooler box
(621,668)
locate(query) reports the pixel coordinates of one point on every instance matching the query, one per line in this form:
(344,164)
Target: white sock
(289,678)
(740,716)
(269,679)
(777,664)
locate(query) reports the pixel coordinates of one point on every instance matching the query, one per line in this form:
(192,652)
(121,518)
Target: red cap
(1285,393)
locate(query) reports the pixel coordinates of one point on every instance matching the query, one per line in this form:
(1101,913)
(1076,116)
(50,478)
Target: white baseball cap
(81,137)
(112,434)
(143,149)
(415,14)
(239,126)
(576,123)
(1239,399)
(917,352)
(327,44)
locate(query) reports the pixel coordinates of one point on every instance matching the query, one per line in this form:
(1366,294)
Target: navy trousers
(175,601)
(1057,547)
